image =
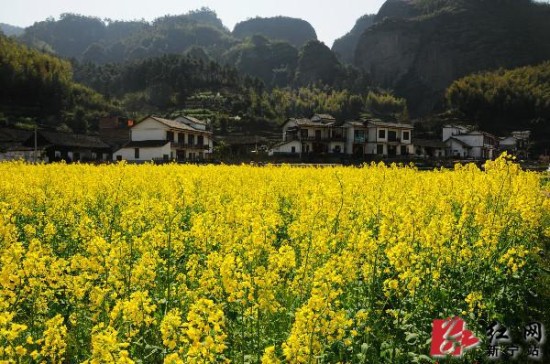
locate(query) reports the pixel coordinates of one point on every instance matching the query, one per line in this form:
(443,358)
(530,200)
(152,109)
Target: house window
(136,153)
(165,157)
(76,156)
(379,149)
(170,136)
(303,133)
(406,135)
(57,154)
(404,150)
(119,158)
(382,134)
(181,138)
(318,134)
(293,150)
(191,139)
(392,135)
(359,136)
(200,140)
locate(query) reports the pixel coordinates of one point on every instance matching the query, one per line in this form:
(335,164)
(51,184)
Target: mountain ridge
(11,30)
(418,53)
(295,31)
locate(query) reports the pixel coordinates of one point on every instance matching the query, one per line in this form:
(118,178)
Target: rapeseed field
(216,264)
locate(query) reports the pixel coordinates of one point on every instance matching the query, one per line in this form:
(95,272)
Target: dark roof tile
(70,140)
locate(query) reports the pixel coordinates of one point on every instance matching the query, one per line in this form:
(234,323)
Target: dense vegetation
(418,48)
(192,83)
(273,62)
(39,87)
(506,100)
(254,78)
(95,40)
(269,53)
(172,84)
(10,30)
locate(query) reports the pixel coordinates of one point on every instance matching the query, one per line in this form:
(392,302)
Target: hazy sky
(330,18)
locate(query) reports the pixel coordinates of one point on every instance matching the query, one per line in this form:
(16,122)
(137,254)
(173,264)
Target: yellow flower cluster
(204,264)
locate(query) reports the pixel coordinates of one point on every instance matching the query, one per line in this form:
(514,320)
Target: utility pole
(35,142)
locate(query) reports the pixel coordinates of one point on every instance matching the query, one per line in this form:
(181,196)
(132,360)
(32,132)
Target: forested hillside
(39,88)
(173,84)
(244,98)
(273,62)
(92,39)
(269,69)
(10,30)
(419,47)
(506,100)
(270,49)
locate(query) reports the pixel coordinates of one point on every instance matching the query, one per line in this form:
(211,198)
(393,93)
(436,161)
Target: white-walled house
(462,141)
(376,137)
(156,138)
(321,135)
(318,135)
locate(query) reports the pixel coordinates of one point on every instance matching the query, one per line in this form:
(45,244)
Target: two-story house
(464,141)
(376,137)
(318,135)
(155,138)
(516,143)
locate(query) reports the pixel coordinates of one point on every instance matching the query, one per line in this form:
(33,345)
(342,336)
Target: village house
(57,146)
(321,135)
(115,130)
(465,142)
(377,137)
(318,135)
(51,146)
(11,145)
(516,144)
(427,148)
(158,139)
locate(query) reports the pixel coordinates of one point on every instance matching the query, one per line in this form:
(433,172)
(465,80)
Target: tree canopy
(40,87)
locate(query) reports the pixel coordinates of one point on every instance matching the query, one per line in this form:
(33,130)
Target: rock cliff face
(345,46)
(294,31)
(420,47)
(316,64)
(273,62)
(397,9)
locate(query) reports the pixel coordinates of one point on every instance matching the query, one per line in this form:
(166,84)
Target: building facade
(321,135)
(517,143)
(68,147)
(464,142)
(376,137)
(159,139)
(318,135)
